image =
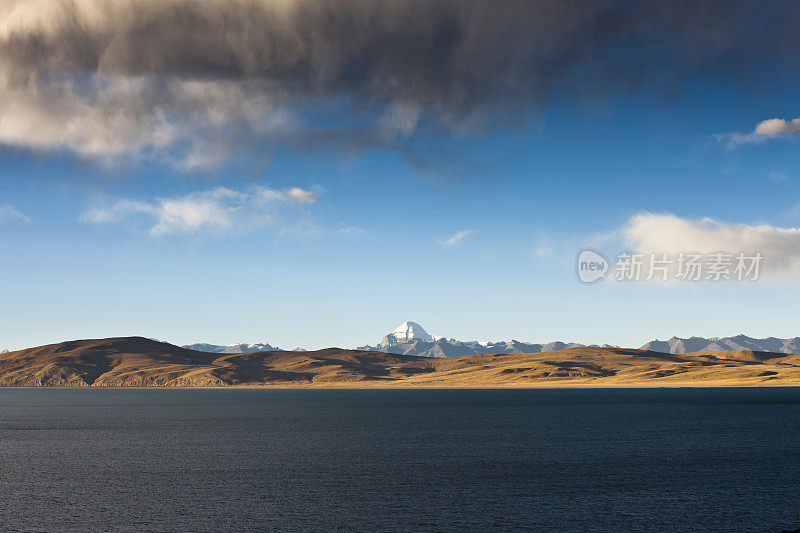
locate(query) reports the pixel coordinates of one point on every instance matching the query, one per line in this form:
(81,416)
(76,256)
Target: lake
(400,460)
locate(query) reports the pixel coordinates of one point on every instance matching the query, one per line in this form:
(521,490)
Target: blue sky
(333,245)
(367,254)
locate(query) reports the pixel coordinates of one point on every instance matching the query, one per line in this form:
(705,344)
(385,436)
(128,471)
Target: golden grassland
(140,362)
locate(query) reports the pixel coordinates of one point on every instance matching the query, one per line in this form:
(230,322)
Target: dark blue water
(564,460)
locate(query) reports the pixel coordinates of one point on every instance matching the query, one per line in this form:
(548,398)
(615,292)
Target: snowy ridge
(232,348)
(409,338)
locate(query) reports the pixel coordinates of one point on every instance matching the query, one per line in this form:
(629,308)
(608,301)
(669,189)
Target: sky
(313,174)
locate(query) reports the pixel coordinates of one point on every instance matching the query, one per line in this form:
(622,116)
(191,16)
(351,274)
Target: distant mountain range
(410,338)
(716,344)
(231,348)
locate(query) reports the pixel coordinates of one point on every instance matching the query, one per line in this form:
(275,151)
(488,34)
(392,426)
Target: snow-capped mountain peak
(411,339)
(410,331)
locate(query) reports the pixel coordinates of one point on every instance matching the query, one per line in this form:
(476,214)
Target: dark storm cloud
(186,77)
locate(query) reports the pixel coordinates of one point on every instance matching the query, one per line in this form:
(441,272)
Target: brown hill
(140,362)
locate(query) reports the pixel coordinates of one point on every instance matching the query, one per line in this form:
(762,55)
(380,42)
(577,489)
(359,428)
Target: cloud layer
(216,211)
(189,80)
(652,233)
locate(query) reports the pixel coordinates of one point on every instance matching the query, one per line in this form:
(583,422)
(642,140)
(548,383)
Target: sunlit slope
(140,362)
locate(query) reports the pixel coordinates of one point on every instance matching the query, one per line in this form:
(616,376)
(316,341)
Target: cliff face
(139,362)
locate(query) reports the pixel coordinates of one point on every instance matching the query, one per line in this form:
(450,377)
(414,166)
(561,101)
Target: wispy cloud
(456,238)
(10,214)
(216,211)
(350,231)
(764,131)
(778,177)
(545,249)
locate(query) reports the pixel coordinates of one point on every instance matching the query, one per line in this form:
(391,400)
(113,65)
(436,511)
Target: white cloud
(764,131)
(652,233)
(9,214)
(777,126)
(456,238)
(218,211)
(213,210)
(301,196)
